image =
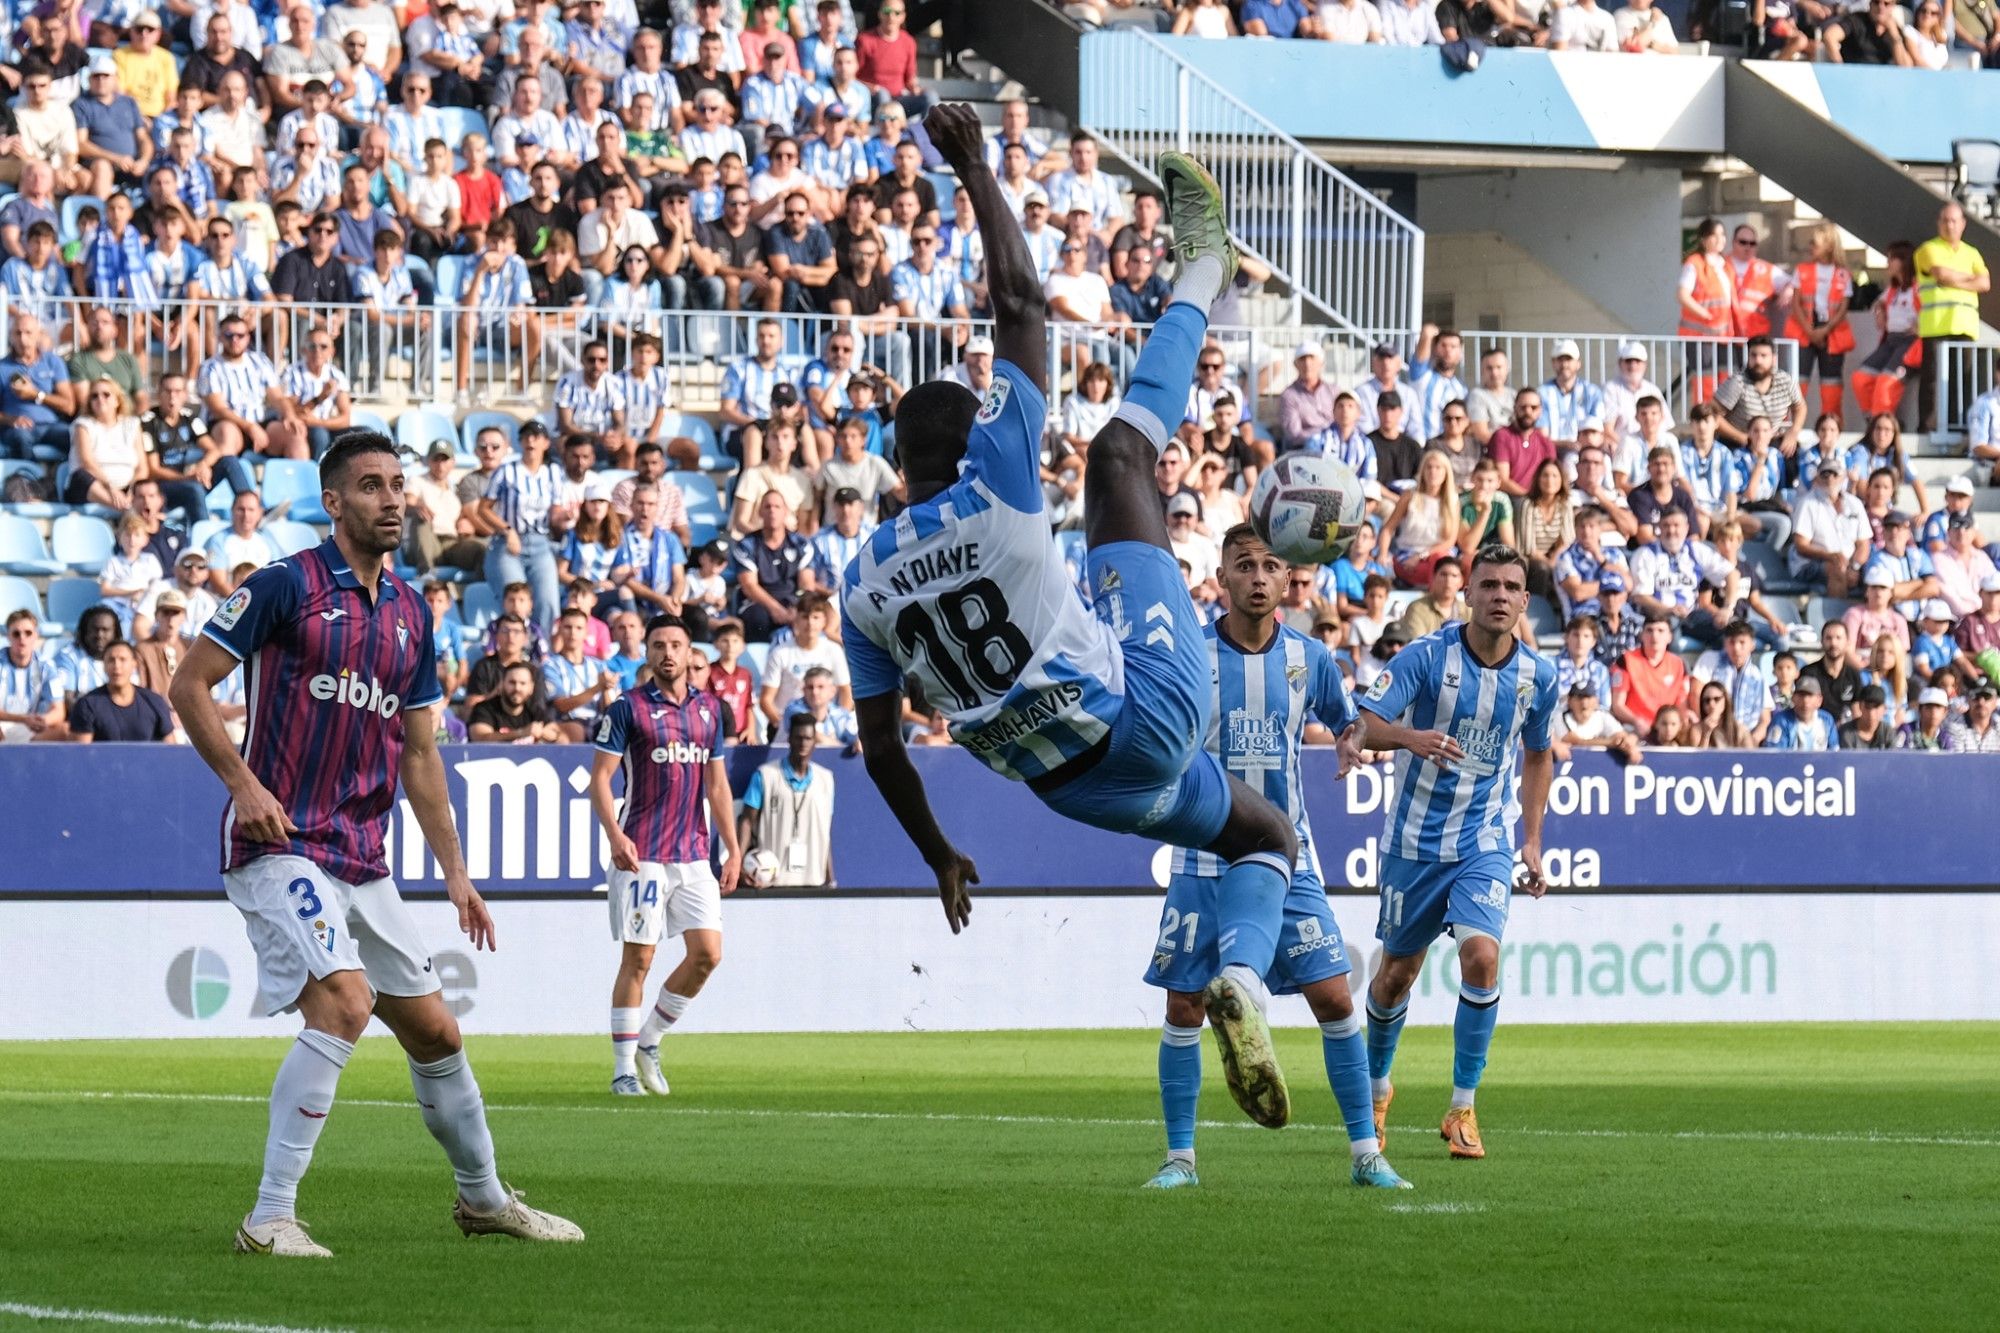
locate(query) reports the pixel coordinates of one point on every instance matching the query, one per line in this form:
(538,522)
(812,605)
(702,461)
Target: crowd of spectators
(1926,34)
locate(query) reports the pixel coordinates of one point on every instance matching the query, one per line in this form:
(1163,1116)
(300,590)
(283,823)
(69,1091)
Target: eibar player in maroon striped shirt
(342,693)
(666,736)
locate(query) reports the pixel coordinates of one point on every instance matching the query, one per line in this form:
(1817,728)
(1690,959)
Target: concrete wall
(1476,280)
(1613,234)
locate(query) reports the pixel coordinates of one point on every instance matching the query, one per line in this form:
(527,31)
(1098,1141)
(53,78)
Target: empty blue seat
(419,428)
(17,594)
(450,273)
(479,607)
(22,550)
(468,429)
(292,536)
(296,480)
(368,419)
(69,599)
(81,542)
(1772,567)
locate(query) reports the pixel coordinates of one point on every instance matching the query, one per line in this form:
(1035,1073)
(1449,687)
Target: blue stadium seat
(755,655)
(1819,610)
(1544,622)
(478,607)
(1771,566)
(220,498)
(22,550)
(72,206)
(292,536)
(698,429)
(30,508)
(69,599)
(17,594)
(296,480)
(450,274)
(468,429)
(199,534)
(419,428)
(706,516)
(369,419)
(460,121)
(81,542)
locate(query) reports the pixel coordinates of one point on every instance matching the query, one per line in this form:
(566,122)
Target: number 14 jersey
(968,594)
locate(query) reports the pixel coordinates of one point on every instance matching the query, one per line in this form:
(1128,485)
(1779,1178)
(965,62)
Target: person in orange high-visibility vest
(1821,289)
(1879,383)
(1760,286)
(1708,301)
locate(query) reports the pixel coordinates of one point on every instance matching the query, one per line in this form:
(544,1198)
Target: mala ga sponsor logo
(197,983)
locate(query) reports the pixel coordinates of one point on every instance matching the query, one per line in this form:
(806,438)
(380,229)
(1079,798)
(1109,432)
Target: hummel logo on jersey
(348,688)
(330,616)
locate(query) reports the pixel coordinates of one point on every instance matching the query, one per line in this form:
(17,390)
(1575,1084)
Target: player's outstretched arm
(1020,315)
(258,813)
(1538,774)
(423,783)
(880,720)
(1382,734)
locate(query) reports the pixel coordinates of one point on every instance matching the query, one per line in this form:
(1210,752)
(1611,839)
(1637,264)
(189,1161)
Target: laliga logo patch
(1380,688)
(232,610)
(996,402)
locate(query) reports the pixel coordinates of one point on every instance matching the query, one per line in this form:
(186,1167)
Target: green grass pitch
(1649,1178)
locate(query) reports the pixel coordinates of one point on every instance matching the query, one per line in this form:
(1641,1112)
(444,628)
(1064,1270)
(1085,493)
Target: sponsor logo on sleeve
(996,401)
(232,610)
(1379,690)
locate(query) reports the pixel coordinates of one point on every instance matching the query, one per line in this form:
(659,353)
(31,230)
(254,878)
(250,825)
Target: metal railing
(1965,371)
(514,358)
(1343,252)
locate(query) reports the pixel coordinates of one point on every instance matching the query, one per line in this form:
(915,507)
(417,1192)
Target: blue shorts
(1155,778)
(1424,899)
(1188,952)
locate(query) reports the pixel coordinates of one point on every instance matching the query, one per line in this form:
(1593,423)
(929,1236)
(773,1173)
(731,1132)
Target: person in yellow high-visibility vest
(1950,277)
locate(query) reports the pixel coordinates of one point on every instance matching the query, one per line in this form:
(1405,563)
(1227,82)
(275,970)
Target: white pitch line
(118,1317)
(1861,1137)
(1434,1208)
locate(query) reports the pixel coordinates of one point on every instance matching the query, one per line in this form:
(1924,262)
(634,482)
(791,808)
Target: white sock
(1250,982)
(1181,1155)
(1362,1147)
(624,1041)
(667,1011)
(1379,1087)
(455,1114)
(1200,281)
(1461,1097)
(301,1096)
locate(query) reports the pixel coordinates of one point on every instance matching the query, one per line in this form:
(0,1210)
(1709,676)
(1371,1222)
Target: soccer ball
(1307,509)
(760,869)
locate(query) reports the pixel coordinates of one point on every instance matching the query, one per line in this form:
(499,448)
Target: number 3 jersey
(968,594)
(1258,721)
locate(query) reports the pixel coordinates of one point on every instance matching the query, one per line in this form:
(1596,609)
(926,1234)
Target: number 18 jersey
(968,594)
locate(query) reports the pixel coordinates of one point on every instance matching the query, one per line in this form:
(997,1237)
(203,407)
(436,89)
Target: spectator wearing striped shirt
(774,95)
(835,158)
(79,664)
(647,393)
(846,90)
(579,687)
(591,401)
(310,178)
(647,74)
(519,504)
(236,387)
(36,282)
(932,301)
(497,297)
(313,401)
(1438,381)
(1568,400)
(31,703)
(650,567)
(1084,186)
(117,257)
(746,393)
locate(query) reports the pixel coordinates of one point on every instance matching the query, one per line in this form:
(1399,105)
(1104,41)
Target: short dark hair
(348,447)
(1588,622)
(649,447)
(1374,581)
(1761,340)
(1657,618)
(665,621)
(1738,629)
(576,611)
(1241,534)
(932,423)
(1498,553)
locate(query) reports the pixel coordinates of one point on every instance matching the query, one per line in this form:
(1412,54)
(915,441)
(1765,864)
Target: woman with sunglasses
(105,457)
(1715,726)
(1927,37)
(630,301)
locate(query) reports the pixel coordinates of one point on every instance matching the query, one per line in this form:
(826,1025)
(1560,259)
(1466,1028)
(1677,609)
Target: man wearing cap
(1875,615)
(1622,392)
(1976,732)
(1837,673)
(1805,725)
(1962,566)
(840,537)
(1734,667)
(1933,647)
(1385,375)
(1928,729)
(436,530)
(1912,574)
(1044,242)
(1193,548)
(1958,496)
(1869,728)
(1567,398)
(146,69)
(1305,408)
(165,645)
(1583,726)
(1831,534)
(975,369)
(1397,452)
(112,140)
(1977,636)
(189,582)
(1760,389)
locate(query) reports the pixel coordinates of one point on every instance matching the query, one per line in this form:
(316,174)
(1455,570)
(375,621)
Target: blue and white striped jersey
(562,678)
(1563,414)
(1434,389)
(244,382)
(748,384)
(777,101)
(591,409)
(33,688)
(645,395)
(836,168)
(967,593)
(523,496)
(299,382)
(660,83)
(39,291)
(935,293)
(1455,813)
(241,281)
(408,132)
(1261,704)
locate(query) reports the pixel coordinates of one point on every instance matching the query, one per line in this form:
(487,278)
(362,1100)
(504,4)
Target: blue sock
(1472,1033)
(1157,397)
(1180,1085)
(1251,905)
(1346,1056)
(1385,1029)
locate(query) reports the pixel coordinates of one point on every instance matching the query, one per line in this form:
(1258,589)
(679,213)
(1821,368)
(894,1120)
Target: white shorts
(304,923)
(661,900)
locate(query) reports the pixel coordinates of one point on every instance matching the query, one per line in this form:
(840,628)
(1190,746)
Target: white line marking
(1434,1208)
(1860,1137)
(54,1313)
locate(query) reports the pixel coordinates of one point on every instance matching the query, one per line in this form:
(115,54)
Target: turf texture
(1766,1177)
